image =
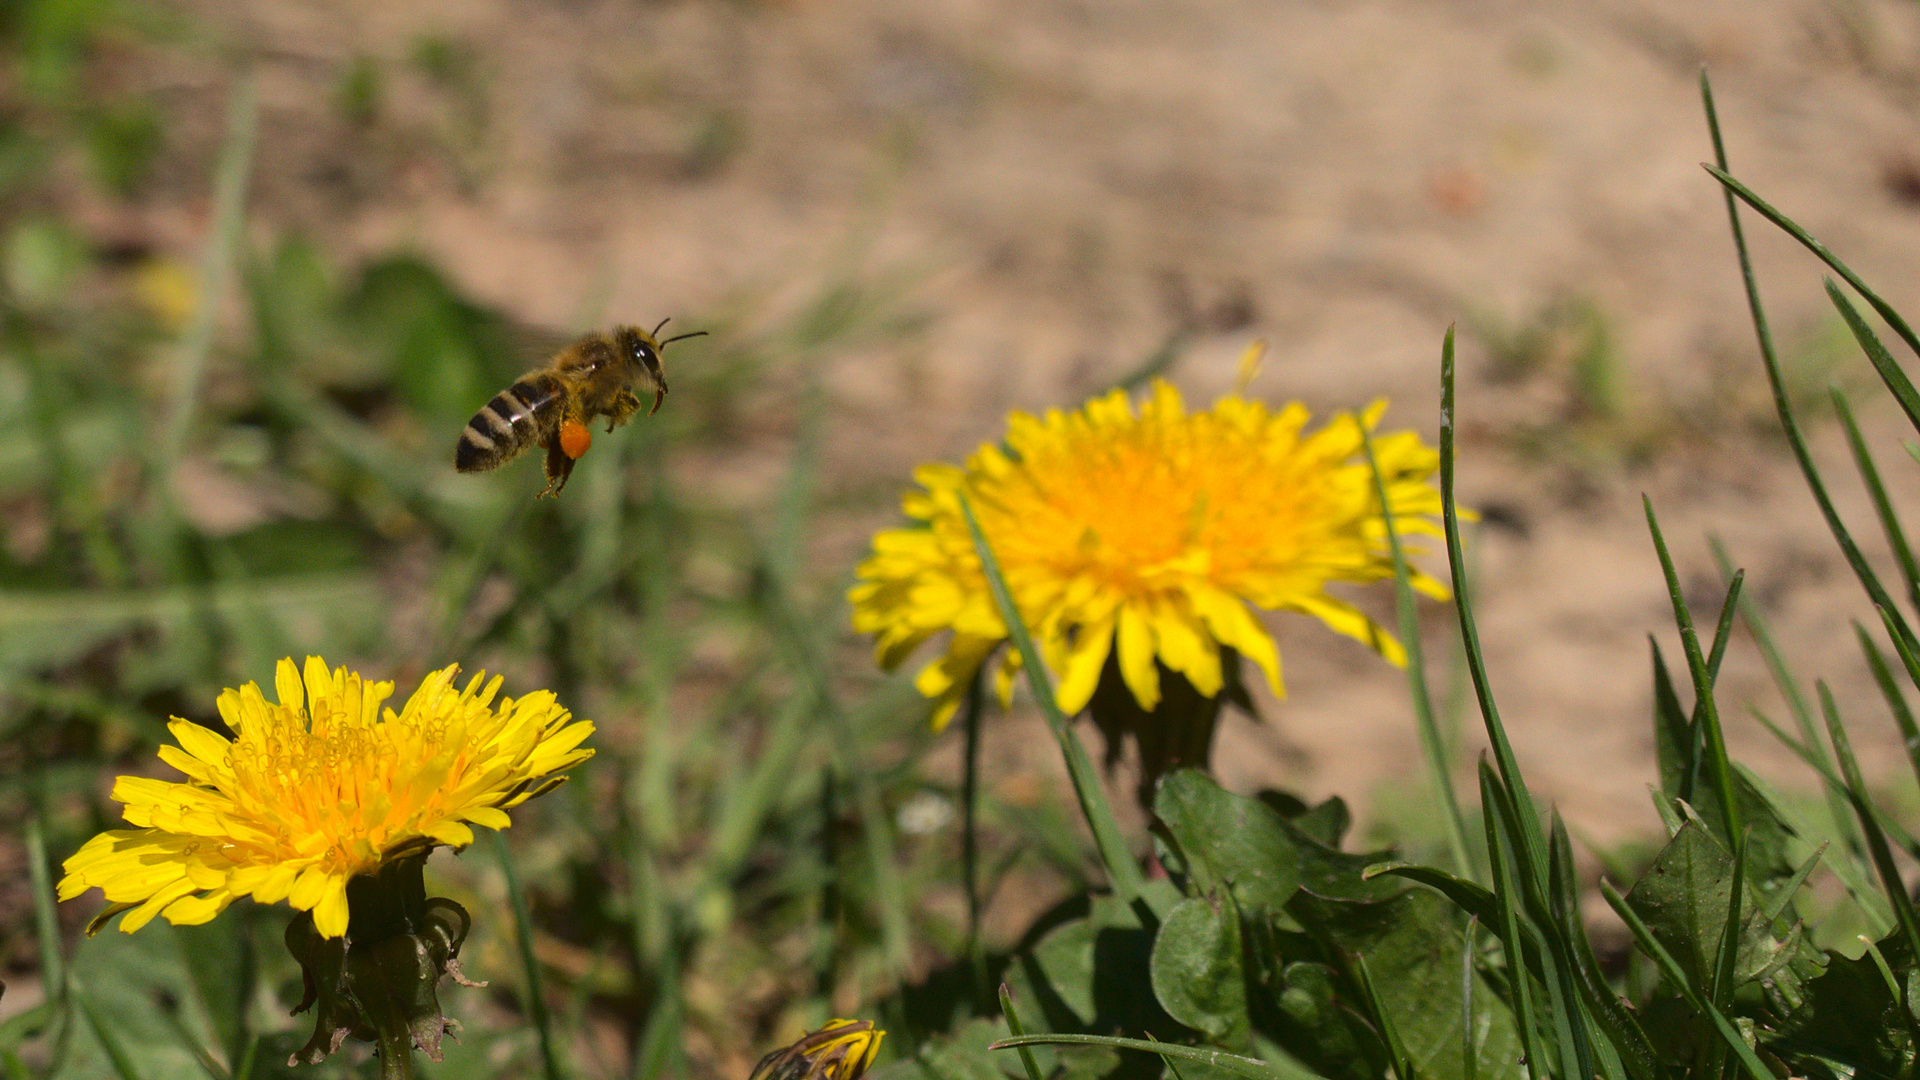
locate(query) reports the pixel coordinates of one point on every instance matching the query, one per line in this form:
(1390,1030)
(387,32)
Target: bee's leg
(559,468)
(621,409)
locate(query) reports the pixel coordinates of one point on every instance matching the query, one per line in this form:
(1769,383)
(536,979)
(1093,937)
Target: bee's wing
(534,344)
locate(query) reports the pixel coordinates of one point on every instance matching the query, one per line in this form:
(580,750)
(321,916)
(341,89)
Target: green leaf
(1326,822)
(1730,1034)
(1683,898)
(1092,973)
(1304,1012)
(1230,841)
(1706,716)
(1411,945)
(1197,972)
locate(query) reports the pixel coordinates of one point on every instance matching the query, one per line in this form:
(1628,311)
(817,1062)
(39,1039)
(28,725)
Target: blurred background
(259,263)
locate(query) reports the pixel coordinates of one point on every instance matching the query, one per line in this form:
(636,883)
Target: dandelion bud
(840,1051)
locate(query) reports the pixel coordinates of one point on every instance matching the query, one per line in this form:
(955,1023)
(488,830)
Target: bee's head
(643,350)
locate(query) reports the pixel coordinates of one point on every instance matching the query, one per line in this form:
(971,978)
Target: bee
(551,406)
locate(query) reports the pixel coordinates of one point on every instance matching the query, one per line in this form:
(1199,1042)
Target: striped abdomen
(523,414)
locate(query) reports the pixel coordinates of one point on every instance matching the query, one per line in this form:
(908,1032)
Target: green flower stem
(1123,873)
(396,1052)
(970,835)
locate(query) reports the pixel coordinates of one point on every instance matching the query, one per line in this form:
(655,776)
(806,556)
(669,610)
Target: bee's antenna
(656,330)
(683,337)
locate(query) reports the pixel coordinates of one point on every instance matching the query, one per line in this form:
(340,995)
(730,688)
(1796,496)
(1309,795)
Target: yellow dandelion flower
(843,1050)
(1150,536)
(323,786)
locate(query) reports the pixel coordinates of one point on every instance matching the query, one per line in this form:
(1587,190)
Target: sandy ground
(1064,185)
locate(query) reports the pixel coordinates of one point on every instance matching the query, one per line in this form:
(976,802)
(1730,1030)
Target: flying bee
(551,406)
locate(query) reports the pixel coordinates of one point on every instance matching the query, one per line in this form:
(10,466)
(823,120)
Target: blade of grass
(46,918)
(249,1056)
(1896,380)
(1757,626)
(1251,1068)
(1565,937)
(1532,842)
(1703,705)
(1828,775)
(1469,1057)
(1439,760)
(799,636)
(536,1002)
(754,797)
(184,1036)
(1014,1025)
(658,1050)
(1153,365)
(1790,426)
(1663,805)
(1852,872)
(230,183)
(1173,1064)
(1617,1041)
(1778,905)
(1506,892)
(1882,505)
(1857,794)
(1723,627)
(122,1062)
(1122,872)
(1896,701)
(1880,962)
(1720,991)
(1383,1024)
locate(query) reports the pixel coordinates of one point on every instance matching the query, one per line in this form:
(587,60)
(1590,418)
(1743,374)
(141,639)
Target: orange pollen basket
(574,439)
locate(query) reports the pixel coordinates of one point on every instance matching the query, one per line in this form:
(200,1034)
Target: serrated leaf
(1684,898)
(1850,1015)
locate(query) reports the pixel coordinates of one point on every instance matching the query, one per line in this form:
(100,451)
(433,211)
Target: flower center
(334,786)
(1129,508)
